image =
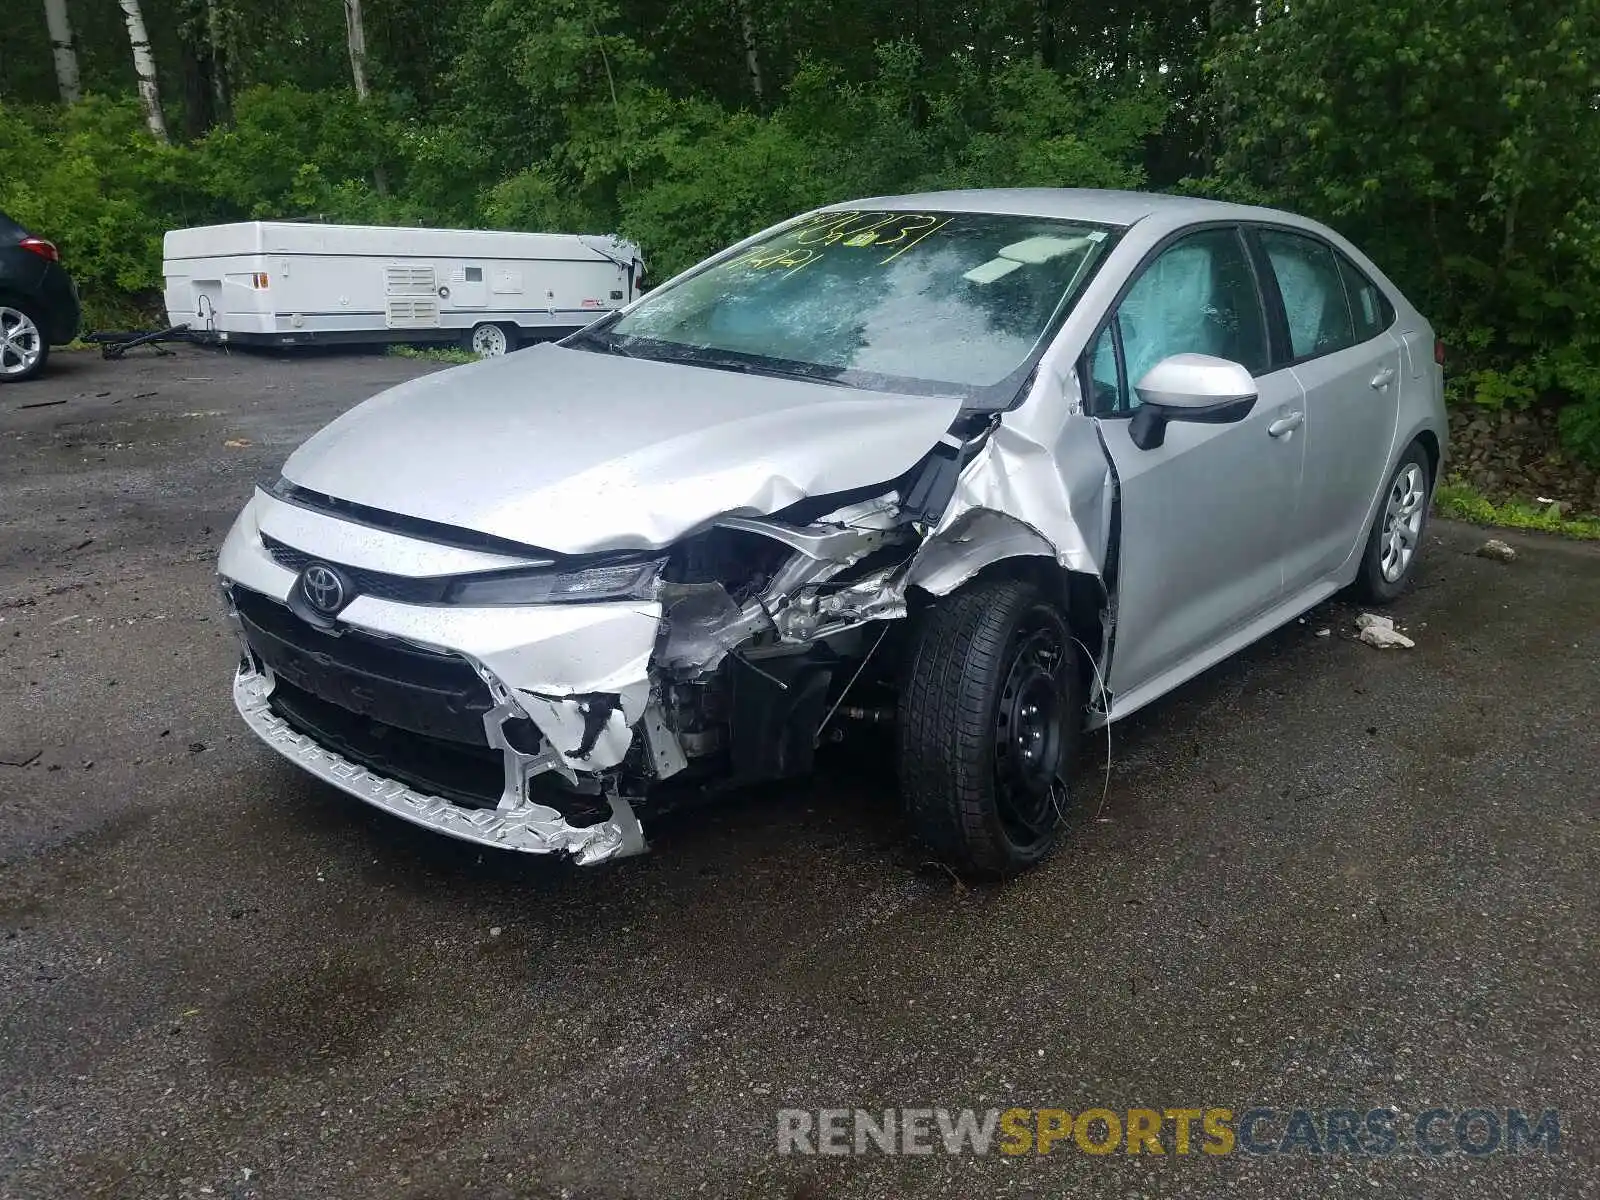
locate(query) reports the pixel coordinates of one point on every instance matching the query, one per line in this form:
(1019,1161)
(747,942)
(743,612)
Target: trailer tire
(488,340)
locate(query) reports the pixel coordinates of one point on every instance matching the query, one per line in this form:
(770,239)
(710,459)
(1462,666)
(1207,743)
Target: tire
(24,349)
(1394,543)
(488,340)
(981,658)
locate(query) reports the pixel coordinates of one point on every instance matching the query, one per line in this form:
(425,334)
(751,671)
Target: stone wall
(1518,456)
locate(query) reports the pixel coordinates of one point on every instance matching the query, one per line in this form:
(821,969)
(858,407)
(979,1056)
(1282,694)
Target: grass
(1465,503)
(453,355)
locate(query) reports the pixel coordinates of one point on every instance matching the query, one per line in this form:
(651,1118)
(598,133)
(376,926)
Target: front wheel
(1394,542)
(988,727)
(23,347)
(490,341)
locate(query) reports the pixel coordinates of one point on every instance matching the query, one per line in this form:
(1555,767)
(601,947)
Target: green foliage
(1458,142)
(1464,503)
(95,181)
(453,356)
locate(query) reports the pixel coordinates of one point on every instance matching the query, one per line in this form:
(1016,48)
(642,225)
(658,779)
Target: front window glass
(1198,297)
(900,301)
(1105,382)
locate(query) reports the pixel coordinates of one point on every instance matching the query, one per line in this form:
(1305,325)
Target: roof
(1096,205)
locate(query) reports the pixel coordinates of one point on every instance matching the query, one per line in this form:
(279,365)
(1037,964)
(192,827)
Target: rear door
(1205,516)
(1335,325)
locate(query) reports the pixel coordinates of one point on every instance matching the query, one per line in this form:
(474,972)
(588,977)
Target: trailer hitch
(115,345)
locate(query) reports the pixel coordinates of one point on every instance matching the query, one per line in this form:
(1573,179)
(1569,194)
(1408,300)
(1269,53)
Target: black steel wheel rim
(1030,735)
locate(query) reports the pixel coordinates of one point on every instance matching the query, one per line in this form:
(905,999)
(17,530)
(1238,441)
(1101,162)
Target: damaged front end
(550,721)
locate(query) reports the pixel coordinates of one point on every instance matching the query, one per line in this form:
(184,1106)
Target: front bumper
(549,689)
(528,827)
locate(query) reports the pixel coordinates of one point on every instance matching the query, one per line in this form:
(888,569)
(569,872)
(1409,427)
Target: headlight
(617,581)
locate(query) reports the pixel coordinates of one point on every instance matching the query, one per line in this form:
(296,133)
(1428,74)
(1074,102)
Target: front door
(1205,516)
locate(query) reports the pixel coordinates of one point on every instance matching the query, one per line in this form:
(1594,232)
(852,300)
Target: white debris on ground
(1380,632)
(1324,633)
(1496,549)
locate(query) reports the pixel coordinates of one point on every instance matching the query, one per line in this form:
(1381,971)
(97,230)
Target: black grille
(401,588)
(435,695)
(467,775)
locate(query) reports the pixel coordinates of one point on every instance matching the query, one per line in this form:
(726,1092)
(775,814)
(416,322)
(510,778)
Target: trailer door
(468,289)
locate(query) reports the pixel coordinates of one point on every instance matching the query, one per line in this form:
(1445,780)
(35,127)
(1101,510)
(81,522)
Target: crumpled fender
(1021,497)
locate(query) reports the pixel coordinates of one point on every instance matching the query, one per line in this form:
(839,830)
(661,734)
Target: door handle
(1383,378)
(1286,425)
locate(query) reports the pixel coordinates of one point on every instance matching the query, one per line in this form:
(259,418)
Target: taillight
(41,247)
(1438,351)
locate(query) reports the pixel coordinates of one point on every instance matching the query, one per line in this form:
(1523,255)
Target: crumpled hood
(575,451)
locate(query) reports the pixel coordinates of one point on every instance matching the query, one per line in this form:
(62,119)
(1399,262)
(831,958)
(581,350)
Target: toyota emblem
(323,589)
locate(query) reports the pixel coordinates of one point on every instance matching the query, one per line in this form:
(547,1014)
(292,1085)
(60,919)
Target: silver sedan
(970,472)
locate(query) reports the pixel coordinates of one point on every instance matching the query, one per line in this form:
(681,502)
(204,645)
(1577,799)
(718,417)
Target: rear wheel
(988,728)
(1395,541)
(23,348)
(490,341)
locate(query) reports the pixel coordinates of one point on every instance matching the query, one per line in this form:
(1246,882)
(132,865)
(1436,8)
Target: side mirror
(1190,387)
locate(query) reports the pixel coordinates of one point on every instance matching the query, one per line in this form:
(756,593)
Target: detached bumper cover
(528,827)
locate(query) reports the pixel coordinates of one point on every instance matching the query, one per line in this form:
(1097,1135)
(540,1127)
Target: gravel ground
(1320,876)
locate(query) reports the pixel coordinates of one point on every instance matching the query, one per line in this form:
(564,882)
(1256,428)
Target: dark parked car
(38,302)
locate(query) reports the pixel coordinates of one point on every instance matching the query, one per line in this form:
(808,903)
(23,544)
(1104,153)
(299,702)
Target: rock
(1380,633)
(1496,549)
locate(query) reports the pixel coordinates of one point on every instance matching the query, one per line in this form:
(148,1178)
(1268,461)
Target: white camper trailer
(284,283)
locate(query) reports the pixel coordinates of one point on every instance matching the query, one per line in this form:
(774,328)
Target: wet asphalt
(1319,876)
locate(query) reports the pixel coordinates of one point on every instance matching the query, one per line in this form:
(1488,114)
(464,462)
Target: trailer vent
(409,281)
(414,313)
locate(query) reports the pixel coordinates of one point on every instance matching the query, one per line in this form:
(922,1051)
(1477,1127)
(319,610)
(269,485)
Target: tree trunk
(752,60)
(66,54)
(1044,34)
(194,71)
(356,36)
(144,66)
(222,99)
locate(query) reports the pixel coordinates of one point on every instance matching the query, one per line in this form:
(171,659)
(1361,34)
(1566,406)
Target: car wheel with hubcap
(1395,541)
(23,348)
(989,719)
(490,341)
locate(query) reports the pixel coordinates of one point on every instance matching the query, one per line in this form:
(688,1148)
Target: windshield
(949,303)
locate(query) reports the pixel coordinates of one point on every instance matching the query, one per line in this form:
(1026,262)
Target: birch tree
(219,62)
(66,54)
(356,36)
(752,60)
(144,67)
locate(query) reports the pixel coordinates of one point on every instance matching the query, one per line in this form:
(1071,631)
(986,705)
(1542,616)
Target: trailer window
(474,275)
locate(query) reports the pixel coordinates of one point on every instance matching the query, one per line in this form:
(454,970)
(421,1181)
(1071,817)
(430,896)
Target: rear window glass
(1368,305)
(1313,293)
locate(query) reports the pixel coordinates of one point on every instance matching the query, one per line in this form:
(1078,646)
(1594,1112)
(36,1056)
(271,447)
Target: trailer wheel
(491,341)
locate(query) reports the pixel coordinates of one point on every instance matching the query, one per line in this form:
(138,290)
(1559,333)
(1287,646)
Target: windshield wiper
(600,340)
(816,374)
